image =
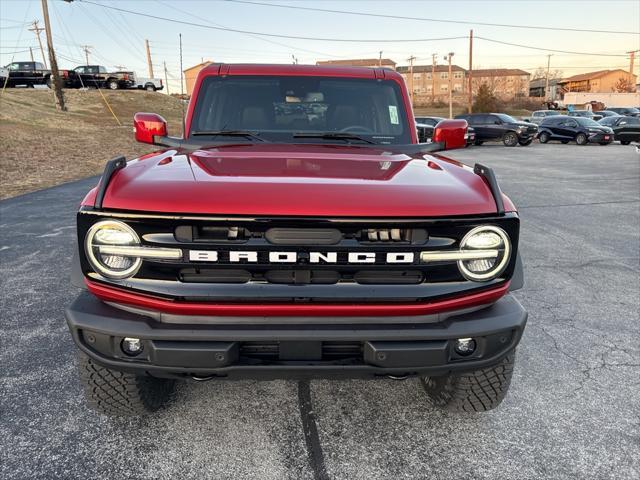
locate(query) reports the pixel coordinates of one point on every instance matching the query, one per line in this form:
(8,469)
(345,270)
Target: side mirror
(451,133)
(147,126)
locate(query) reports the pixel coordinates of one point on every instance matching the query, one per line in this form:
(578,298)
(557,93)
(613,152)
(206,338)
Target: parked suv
(627,111)
(579,129)
(625,129)
(539,115)
(499,126)
(298,229)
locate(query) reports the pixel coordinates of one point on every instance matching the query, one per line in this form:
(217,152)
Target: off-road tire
(525,143)
(510,139)
(113,85)
(476,391)
(625,142)
(581,139)
(150,88)
(121,394)
(544,137)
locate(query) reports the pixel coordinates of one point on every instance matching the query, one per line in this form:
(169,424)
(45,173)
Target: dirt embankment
(41,147)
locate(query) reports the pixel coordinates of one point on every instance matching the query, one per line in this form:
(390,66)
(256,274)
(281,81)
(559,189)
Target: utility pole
(166,80)
(380,59)
(55,74)
(546,86)
(632,56)
(434,56)
(469,73)
(87,51)
(31,53)
(149,64)
(36,29)
(450,92)
(410,60)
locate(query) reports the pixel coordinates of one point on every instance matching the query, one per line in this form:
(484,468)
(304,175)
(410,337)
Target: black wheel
(564,141)
(150,88)
(510,139)
(544,137)
(625,142)
(113,84)
(476,391)
(121,394)
(581,139)
(478,142)
(524,143)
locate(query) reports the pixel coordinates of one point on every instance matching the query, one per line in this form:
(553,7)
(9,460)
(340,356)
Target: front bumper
(601,137)
(355,348)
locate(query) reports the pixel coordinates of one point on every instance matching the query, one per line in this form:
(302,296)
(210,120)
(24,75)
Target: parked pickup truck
(297,229)
(97,76)
(148,84)
(24,73)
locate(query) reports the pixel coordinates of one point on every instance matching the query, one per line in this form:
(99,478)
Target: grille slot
(214,275)
(302,277)
(414,236)
(303,236)
(207,233)
(330,350)
(381,277)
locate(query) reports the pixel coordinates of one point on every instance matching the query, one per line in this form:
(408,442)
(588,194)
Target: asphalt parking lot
(573,410)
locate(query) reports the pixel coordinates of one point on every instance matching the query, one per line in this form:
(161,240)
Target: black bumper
(601,138)
(353,348)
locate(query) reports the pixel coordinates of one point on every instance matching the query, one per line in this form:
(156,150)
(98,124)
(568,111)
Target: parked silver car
(539,115)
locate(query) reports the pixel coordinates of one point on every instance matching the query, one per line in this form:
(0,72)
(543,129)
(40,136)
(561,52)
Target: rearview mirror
(451,133)
(147,126)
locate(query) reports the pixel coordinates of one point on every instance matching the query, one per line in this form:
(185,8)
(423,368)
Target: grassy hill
(41,147)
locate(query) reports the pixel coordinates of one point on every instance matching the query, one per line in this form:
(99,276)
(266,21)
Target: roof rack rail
(490,177)
(110,168)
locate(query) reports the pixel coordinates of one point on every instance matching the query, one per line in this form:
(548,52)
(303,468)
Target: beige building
(503,82)
(190,75)
(602,81)
(426,81)
(361,62)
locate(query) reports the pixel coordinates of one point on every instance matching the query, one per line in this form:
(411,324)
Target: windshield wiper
(229,133)
(333,136)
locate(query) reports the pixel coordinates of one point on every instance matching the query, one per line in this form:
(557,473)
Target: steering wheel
(356,129)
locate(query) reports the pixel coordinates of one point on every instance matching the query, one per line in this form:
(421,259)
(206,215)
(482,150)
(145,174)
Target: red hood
(298,180)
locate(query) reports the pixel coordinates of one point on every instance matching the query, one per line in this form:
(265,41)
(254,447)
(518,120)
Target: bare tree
(623,85)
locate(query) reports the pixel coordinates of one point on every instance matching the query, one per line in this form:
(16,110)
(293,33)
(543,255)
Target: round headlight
(488,238)
(112,233)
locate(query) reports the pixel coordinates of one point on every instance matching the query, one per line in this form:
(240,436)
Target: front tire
(475,391)
(121,394)
(113,84)
(544,137)
(581,139)
(510,139)
(150,88)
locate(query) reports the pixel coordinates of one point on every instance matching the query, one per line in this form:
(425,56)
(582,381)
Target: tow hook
(398,377)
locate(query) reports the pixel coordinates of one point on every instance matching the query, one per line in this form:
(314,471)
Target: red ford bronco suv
(296,230)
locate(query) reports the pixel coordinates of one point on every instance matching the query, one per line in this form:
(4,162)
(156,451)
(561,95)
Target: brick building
(425,82)
(361,62)
(503,82)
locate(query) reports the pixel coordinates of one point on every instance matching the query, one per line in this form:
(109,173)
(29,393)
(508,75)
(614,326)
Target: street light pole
(449,57)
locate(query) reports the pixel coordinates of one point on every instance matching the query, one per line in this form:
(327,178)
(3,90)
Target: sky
(117,38)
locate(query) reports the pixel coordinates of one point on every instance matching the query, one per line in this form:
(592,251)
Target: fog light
(465,346)
(131,346)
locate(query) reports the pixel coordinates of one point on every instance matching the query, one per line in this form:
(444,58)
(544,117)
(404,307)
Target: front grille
(301,260)
(329,351)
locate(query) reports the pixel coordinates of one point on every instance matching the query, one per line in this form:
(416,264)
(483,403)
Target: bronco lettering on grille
(237,256)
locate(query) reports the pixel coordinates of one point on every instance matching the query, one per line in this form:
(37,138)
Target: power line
(275,35)
(550,49)
(437,20)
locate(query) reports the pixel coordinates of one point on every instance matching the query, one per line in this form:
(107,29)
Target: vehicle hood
(299,180)
(523,124)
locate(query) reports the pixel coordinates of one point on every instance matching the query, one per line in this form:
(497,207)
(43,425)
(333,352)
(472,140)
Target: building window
(428,76)
(457,74)
(510,79)
(457,87)
(429,88)
(444,75)
(416,76)
(444,88)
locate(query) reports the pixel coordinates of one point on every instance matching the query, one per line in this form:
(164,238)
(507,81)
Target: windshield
(285,109)
(506,118)
(587,122)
